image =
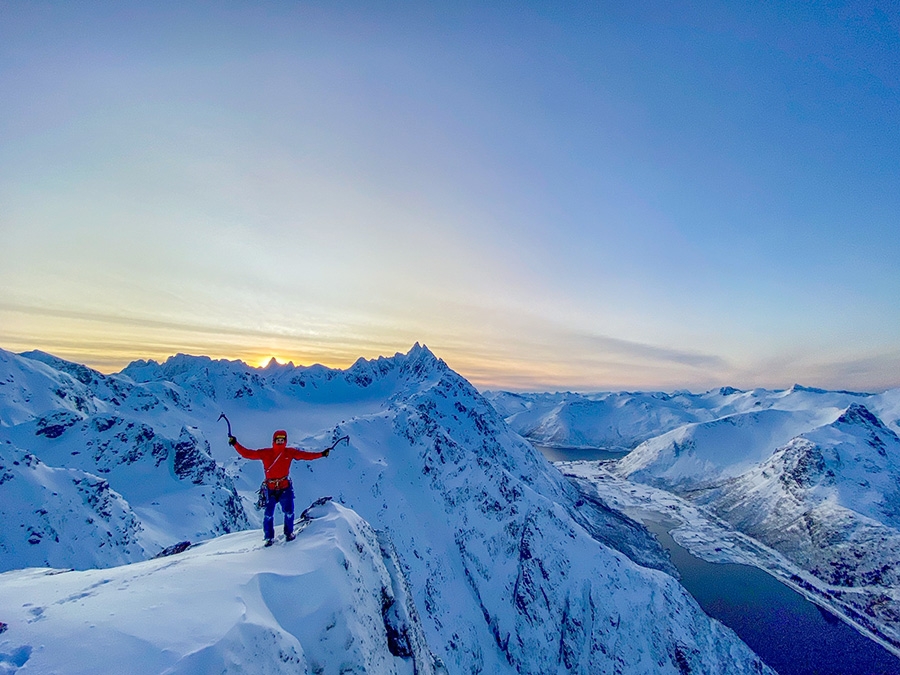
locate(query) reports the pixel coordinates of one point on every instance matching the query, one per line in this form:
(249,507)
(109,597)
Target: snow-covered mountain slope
(511,569)
(624,420)
(109,446)
(695,455)
(62,517)
(829,500)
(332,601)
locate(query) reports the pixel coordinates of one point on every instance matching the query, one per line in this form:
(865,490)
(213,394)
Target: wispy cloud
(642,352)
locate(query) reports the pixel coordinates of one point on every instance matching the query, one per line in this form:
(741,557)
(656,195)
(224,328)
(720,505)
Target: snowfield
(508,566)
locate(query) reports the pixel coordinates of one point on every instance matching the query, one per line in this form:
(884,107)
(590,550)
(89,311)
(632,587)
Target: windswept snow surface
(511,569)
(324,603)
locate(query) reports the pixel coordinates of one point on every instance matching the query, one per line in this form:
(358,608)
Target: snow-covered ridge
(332,601)
(511,570)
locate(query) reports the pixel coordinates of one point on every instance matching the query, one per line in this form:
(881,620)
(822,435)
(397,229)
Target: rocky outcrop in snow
(61,517)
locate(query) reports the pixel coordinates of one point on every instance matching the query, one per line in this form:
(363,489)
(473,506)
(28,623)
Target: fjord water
(791,634)
(555,453)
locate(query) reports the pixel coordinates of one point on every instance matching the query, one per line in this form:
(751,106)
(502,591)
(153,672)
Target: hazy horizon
(267,363)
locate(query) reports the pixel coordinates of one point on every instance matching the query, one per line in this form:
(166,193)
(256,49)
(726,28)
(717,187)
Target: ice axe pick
(222,417)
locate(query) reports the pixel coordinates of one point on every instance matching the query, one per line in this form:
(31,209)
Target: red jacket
(277,459)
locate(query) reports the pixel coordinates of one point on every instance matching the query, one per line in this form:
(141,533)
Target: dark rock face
(122,443)
(56,424)
(192,463)
(174,549)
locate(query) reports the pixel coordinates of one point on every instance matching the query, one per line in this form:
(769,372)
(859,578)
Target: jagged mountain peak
(417,365)
(419,360)
(857,413)
(418,353)
(868,432)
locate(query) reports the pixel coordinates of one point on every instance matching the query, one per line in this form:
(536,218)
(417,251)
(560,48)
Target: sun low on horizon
(266,361)
(578,197)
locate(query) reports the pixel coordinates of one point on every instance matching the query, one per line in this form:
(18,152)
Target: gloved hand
(232,440)
(325,452)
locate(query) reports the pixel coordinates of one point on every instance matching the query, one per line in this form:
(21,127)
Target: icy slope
(512,570)
(332,601)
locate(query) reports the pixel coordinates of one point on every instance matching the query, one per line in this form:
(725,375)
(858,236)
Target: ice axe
(342,438)
(222,417)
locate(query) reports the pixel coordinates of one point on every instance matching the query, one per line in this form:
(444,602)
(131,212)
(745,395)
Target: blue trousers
(284,497)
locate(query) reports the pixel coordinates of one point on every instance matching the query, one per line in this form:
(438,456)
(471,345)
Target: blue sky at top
(550,195)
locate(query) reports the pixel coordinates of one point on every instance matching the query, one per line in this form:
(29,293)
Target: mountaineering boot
(269,542)
(290,537)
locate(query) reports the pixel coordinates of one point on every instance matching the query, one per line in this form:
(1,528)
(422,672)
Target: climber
(278,488)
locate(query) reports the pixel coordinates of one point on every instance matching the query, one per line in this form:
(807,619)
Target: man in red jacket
(279,490)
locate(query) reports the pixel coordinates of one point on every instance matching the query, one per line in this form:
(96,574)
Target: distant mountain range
(624,420)
(508,567)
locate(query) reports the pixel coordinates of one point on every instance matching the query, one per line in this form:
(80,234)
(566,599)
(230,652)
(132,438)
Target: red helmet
(279,436)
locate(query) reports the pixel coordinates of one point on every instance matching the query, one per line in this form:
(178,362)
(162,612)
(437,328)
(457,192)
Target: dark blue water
(791,634)
(566,454)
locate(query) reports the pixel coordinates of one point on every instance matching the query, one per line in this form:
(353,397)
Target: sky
(550,195)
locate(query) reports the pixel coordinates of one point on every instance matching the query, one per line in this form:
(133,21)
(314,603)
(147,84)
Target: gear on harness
(261,496)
